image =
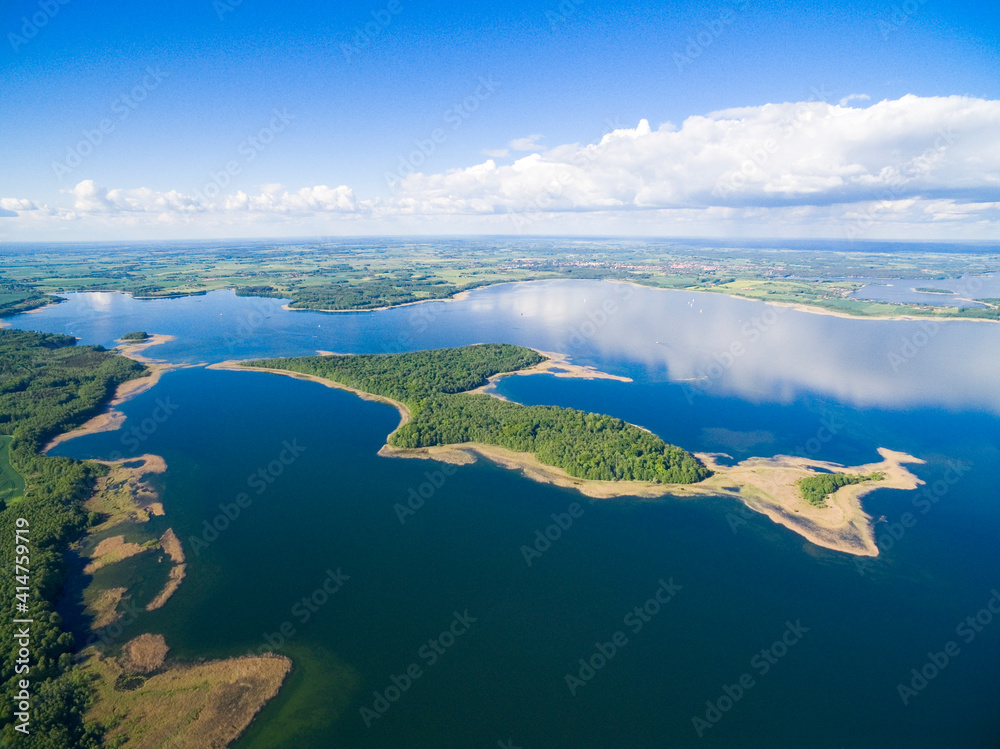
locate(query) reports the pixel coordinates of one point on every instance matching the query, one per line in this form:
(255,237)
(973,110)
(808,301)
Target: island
(432,391)
(447,413)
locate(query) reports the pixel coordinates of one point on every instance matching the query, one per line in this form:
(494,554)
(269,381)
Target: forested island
(433,386)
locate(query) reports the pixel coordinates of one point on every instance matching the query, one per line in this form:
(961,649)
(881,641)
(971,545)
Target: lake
(764,640)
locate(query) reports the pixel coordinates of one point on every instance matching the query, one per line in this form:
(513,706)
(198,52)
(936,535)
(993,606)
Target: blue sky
(202,118)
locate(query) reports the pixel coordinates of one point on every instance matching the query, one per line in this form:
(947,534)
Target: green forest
(815,489)
(433,385)
(48,385)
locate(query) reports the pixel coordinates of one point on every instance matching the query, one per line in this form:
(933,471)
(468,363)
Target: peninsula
(448,414)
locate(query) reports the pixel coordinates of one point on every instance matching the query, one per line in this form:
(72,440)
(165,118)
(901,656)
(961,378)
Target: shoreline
(553,360)
(462,295)
(457,297)
(765,485)
(235,366)
(111,419)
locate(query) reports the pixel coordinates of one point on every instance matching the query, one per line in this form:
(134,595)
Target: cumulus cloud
(806,153)
(11,207)
(880,169)
(90,197)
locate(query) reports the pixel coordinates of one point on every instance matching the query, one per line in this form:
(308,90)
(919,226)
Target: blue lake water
(709,373)
(962,290)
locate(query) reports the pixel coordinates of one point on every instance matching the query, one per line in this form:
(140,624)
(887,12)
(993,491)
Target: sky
(857,120)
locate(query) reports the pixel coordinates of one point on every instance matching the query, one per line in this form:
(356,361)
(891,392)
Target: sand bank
(766,485)
(171,545)
(555,364)
(112,419)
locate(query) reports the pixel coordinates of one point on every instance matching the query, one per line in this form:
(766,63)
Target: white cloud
(495,153)
(854,97)
(892,168)
(528,143)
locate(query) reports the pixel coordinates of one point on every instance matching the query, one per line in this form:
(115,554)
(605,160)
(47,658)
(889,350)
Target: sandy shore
(766,485)
(555,364)
(112,419)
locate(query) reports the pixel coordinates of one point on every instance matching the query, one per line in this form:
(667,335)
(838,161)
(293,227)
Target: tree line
(433,385)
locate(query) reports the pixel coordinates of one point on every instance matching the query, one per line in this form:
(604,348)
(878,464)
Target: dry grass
(111,550)
(199,706)
(177,573)
(144,654)
(123,495)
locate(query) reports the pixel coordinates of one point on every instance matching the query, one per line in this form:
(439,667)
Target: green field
(342,274)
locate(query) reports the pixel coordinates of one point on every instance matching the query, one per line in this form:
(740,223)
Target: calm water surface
(709,373)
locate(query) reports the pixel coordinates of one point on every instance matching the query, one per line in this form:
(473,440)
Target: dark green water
(741,578)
